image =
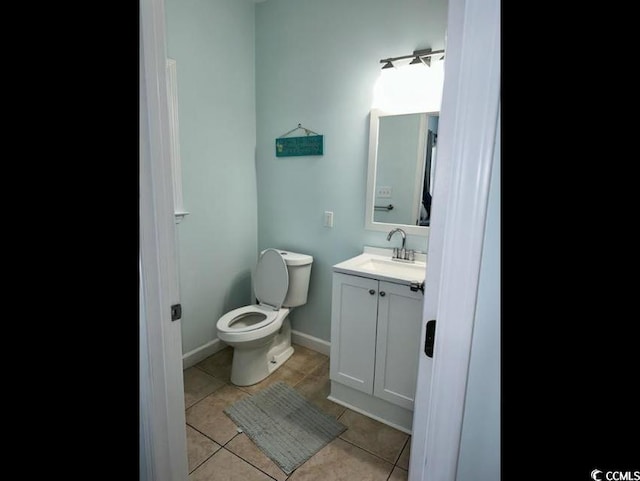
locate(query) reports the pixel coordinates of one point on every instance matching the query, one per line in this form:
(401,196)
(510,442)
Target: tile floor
(367,451)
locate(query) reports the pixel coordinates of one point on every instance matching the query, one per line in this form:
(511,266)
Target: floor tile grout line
(288,475)
(366,450)
(238,433)
(401,451)
(394,468)
(208,373)
(248,462)
(208,357)
(209,438)
(314,369)
(308,375)
(205,397)
(205,460)
(222,446)
(205,435)
(391,473)
(303,378)
(201,369)
(241,388)
(370,452)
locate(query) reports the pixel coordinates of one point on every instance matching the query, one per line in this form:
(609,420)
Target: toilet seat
(271,322)
(226,322)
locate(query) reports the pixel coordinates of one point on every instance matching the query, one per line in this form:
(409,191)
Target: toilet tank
(299,268)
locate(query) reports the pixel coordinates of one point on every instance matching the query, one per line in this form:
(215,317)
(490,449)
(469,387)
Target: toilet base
(250,366)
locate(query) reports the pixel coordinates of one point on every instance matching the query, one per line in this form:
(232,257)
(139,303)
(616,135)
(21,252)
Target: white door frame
(162,416)
(466,136)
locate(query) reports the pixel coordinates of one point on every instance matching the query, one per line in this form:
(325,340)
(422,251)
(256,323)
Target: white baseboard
(192,358)
(368,414)
(379,409)
(310,342)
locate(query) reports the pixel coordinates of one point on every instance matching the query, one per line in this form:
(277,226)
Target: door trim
(162,415)
(467,133)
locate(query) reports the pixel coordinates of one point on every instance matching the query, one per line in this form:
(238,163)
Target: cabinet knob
(382,293)
(372,292)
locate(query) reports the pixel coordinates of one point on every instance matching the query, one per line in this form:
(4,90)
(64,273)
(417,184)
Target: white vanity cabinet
(354,320)
(397,343)
(375,346)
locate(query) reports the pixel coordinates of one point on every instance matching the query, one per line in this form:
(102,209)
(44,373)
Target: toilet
(260,334)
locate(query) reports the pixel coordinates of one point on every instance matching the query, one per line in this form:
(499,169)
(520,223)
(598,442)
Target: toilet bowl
(260,334)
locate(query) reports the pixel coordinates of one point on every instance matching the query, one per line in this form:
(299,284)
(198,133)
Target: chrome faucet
(401,254)
(402,233)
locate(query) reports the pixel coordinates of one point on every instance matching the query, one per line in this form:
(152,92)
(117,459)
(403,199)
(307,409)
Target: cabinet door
(398,343)
(354,307)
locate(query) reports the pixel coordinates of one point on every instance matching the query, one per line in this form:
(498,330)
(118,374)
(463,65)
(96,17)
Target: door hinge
(429,338)
(176,312)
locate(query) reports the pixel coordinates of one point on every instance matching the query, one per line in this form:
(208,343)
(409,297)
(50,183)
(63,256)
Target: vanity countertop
(376,263)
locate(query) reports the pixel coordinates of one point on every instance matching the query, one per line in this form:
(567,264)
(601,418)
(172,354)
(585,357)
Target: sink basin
(392,268)
(383,268)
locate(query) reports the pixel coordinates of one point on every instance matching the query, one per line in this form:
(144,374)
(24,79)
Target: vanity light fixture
(419,56)
(421,60)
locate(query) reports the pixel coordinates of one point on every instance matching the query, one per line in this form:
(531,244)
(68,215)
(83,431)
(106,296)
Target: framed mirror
(402,156)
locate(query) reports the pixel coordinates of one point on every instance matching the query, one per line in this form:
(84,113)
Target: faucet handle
(395,253)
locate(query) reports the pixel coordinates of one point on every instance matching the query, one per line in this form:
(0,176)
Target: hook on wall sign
(300,127)
(299,146)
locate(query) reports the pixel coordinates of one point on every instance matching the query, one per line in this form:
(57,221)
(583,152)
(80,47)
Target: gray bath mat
(284,425)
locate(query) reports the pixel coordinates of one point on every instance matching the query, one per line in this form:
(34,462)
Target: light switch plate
(328,218)
(383,191)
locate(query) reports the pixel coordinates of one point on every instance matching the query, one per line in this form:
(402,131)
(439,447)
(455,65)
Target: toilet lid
(272,279)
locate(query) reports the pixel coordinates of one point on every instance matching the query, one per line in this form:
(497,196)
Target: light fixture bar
(427,52)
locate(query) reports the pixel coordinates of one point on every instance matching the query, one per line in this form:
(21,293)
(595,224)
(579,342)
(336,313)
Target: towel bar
(383,207)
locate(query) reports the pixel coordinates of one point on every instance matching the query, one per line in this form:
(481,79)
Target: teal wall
(213,44)
(316,64)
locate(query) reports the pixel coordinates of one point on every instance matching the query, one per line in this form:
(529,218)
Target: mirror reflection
(405,163)
(404,167)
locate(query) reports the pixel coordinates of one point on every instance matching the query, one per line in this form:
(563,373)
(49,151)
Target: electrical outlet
(383,191)
(328,218)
